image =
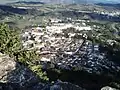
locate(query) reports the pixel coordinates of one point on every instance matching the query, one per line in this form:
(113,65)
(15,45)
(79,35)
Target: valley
(62,47)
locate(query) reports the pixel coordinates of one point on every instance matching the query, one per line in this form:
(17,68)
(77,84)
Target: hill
(7,10)
(109,5)
(26,2)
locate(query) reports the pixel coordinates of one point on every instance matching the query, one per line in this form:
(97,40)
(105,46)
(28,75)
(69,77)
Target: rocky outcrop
(12,72)
(64,86)
(14,76)
(108,88)
(39,86)
(7,65)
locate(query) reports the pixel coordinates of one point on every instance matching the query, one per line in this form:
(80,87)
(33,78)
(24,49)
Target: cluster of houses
(37,35)
(53,46)
(45,39)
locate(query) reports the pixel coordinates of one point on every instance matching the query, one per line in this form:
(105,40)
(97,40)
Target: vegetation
(38,14)
(105,33)
(9,40)
(10,43)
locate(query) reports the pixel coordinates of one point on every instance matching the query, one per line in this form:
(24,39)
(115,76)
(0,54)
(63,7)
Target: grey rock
(12,72)
(108,88)
(7,65)
(67,86)
(59,85)
(55,87)
(14,76)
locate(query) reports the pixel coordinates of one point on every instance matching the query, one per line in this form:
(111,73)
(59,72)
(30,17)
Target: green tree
(10,43)
(9,40)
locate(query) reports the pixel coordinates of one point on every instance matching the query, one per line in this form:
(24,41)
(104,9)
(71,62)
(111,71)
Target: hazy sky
(6,1)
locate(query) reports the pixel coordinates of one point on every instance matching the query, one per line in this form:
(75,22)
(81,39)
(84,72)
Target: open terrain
(61,47)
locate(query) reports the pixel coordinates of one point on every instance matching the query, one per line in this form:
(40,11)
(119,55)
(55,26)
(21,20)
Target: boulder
(108,88)
(65,86)
(7,65)
(13,73)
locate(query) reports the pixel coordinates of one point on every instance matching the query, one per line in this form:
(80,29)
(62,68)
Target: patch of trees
(10,43)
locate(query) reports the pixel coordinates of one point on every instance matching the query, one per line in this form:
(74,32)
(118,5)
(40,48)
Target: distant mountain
(61,1)
(117,6)
(27,2)
(4,9)
(79,1)
(109,4)
(11,10)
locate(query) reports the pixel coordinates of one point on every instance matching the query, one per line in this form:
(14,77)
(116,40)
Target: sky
(8,1)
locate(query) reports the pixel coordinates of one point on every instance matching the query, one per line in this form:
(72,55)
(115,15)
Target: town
(59,45)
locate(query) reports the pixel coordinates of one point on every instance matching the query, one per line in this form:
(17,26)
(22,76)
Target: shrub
(10,43)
